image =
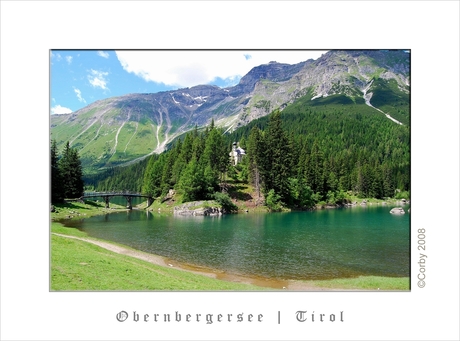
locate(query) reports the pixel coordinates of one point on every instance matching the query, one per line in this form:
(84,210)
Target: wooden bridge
(107,195)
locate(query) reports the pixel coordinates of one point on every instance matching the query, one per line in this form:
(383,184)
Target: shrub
(403,195)
(224,200)
(273,201)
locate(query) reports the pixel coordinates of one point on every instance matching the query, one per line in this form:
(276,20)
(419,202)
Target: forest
(296,158)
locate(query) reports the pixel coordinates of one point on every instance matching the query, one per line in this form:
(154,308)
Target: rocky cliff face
(127,128)
(350,72)
(273,72)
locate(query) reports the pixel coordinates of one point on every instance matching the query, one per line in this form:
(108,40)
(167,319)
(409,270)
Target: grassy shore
(80,210)
(78,264)
(364,283)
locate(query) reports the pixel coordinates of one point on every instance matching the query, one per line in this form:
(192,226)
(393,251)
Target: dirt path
(163,261)
(121,250)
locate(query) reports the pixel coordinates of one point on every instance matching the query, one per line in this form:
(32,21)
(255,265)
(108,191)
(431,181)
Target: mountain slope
(121,130)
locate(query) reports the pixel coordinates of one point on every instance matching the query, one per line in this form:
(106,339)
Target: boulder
(189,209)
(397,210)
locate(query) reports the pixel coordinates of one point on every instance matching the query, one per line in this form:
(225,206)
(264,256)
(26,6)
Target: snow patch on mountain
(367,98)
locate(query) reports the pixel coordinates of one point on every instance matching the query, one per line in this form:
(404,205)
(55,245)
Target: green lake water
(322,244)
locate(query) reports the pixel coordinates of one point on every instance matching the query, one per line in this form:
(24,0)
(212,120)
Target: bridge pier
(128,199)
(149,201)
(106,198)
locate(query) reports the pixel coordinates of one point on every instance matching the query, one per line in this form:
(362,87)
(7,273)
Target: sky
(81,77)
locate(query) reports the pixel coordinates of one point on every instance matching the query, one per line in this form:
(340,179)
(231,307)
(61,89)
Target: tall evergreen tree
(72,173)
(388,182)
(254,151)
(179,164)
(57,188)
(191,181)
(277,158)
(315,171)
(153,177)
(216,154)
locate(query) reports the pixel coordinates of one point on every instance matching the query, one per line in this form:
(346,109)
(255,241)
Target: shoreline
(200,270)
(77,212)
(259,281)
(264,282)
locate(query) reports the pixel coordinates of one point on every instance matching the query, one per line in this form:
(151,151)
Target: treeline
(66,173)
(122,178)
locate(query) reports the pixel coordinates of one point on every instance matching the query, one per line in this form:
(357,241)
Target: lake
(322,244)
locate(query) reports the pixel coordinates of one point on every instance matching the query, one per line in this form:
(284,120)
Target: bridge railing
(127,194)
(112,193)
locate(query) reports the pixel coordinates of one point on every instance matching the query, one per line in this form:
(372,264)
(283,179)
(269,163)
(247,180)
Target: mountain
(121,130)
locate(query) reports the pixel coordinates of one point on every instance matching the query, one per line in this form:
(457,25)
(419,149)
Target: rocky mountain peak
(122,129)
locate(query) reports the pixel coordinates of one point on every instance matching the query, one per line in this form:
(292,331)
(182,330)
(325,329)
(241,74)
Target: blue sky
(81,77)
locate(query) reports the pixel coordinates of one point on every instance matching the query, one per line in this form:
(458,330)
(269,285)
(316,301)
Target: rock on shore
(197,208)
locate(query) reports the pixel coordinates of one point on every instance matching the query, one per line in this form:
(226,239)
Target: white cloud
(68,59)
(56,56)
(97,79)
(103,54)
(58,110)
(189,68)
(78,93)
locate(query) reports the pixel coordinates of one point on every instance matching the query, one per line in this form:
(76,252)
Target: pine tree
(315,171)
(215,154)
(72,173)
(179,164)
(210,182)
(187,147)
(277,163)
(166,184)
(153,177)
(57,187)
(254,155)
(191,181)
(388,182)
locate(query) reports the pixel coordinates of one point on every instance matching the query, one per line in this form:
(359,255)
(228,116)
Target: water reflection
(298,245)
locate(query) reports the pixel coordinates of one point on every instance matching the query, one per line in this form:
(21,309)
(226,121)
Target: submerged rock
(397,210)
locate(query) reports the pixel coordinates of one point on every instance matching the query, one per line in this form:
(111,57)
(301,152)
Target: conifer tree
(277,163)
(153,177)
(166,183)
(388,182)
(254,155)
(179,164)
(315,171)
(71,171)
(191,181)
(57,188)
(187,147)
(216,154)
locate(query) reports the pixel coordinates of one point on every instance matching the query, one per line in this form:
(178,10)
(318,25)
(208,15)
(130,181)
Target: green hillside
(325,150)
(388,97)
(109,140)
